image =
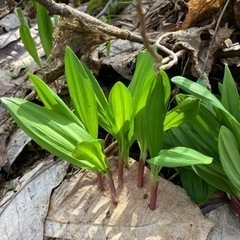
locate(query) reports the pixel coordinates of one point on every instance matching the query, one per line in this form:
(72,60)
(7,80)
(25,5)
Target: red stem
(112,189)
(141,165)
(120,170)
(236,204)
(153,197)
(100,182)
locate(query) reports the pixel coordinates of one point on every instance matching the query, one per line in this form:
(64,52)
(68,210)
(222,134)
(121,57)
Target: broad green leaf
(197,90)
(154,115)
(229,121)
(183,112)
(143,74)
(229,96)
(178,137)
(52,101)
(179,157)
(52,131)
(27,38)
(93,152)
(45,29)
(207,126)
(100,97)
(120,110)
(167,88)
(120,118)
(210,175)
(81,92)
(229,152)
(198,189)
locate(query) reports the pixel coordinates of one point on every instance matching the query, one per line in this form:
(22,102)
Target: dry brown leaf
(236,9)
(199,10)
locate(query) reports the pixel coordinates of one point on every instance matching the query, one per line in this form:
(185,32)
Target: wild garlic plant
(137,112)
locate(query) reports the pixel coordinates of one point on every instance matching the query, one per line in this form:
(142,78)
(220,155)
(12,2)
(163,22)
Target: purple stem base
(112,189)
(236,204)
(100,182)
(120,171)
(141,165)
(153,197)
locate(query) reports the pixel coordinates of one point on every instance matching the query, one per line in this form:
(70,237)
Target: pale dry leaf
(227,224)
(199,10)
(122,56)
(23,211)
(10,21)
(79,211)
(191,40)
(18,140)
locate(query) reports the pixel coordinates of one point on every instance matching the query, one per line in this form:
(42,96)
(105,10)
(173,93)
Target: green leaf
(120,117)
(229,96)
(229,121)
(52,101)
(27,38)
(207,126)
(210,175)
(197,90)
(154,115)
(179,157)
(182,113)
(143,74)
(100,97)
(52,131)
(81,92)
(120,109)
(93,152)
(230,155)
(45,29)
(198,189)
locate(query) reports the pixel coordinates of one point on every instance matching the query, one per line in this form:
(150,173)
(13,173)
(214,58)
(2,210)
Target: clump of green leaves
(45,28)
(151,118)
(59,130)
(137,112)
(216,133)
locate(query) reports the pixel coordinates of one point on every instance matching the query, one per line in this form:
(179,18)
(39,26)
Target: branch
(69,12)
(143,32)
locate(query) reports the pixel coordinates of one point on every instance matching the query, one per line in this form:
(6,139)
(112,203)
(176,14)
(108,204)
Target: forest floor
(41,192)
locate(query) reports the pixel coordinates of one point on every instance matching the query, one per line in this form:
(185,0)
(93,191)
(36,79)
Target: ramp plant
(137,112)
(152,118)
(69,135)
(215,132)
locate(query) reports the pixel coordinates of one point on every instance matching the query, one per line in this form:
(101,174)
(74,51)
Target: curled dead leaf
(199,10)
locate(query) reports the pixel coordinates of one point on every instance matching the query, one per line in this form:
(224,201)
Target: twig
(146,43)
(214,36)
(69,12)
(168,51)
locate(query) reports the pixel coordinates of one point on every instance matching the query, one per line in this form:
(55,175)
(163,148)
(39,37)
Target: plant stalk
(120,170)
(153,197)
(100,182)
(112,188)
(141,166)
(236,204)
